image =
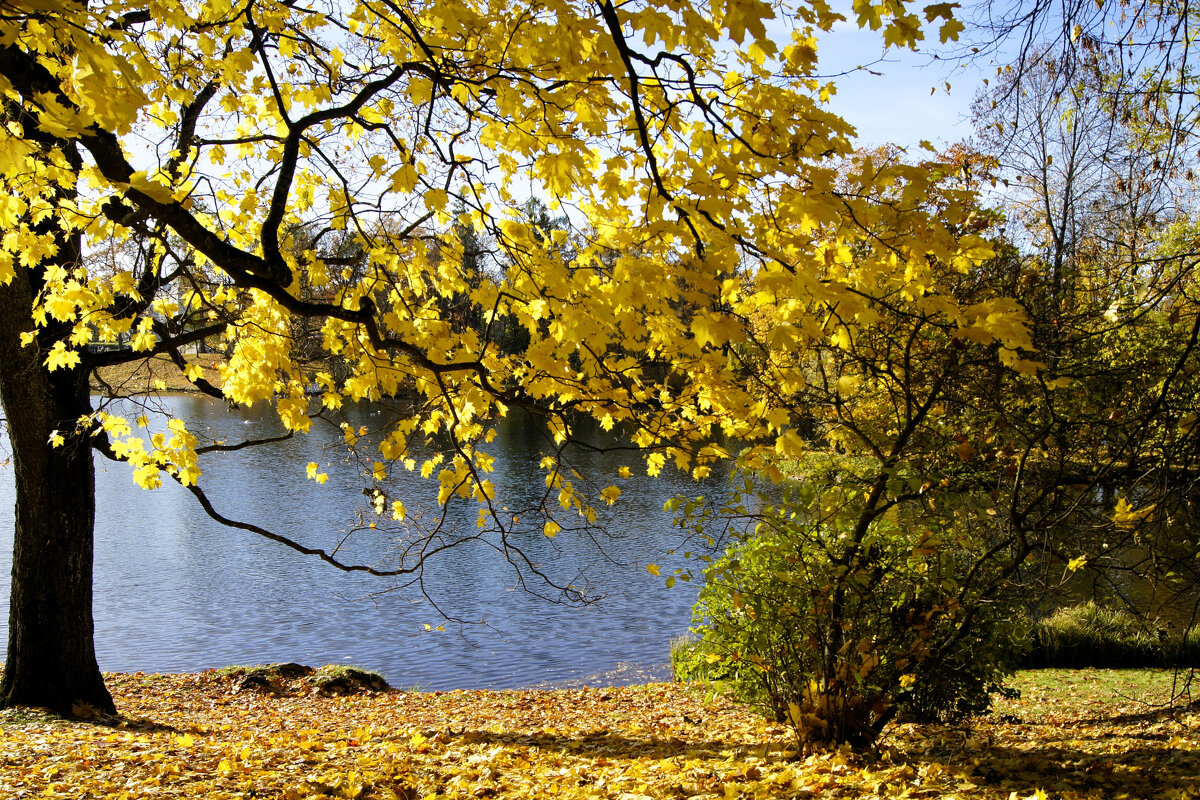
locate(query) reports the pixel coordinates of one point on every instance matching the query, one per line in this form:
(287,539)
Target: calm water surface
(175,591)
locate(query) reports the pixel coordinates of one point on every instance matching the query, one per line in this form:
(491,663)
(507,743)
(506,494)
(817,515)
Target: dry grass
(152,374)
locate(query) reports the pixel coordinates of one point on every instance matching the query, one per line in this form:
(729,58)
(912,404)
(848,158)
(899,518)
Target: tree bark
(51,659)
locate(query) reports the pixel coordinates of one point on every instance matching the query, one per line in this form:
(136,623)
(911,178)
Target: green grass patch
(1052,695)
(694,659)
(287,670)
(23,716)
(345,679)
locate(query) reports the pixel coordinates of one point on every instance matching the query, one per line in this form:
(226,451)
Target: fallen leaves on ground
(193,736)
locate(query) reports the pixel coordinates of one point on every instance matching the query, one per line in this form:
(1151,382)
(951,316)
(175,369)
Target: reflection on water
(175,591)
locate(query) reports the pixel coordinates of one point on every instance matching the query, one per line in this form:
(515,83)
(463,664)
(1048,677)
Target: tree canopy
(687,146)
(292,181)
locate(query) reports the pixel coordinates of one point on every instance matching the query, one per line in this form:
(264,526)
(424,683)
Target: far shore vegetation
(154,373)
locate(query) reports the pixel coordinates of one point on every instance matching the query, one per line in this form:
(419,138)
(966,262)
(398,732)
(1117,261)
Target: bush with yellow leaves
(837,630)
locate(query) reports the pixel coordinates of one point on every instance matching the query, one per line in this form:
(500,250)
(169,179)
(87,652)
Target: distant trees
(1101,203)
(483,261)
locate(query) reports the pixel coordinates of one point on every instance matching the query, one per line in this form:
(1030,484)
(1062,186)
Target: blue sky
(897,106)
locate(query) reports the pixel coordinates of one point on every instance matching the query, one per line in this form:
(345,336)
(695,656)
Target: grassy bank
(1074,734)
(153,374)
(1088,635)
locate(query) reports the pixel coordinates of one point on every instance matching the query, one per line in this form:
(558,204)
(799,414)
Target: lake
(177,592)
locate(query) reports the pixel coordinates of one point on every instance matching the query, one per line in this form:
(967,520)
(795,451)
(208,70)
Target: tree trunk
(51,658)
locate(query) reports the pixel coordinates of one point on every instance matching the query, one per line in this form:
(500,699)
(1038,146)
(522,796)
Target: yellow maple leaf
(60,357)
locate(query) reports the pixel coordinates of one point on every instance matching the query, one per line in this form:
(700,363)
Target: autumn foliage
(338,198)
(697,200)
(290,183)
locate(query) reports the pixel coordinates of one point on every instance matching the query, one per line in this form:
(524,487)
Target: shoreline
(624,674)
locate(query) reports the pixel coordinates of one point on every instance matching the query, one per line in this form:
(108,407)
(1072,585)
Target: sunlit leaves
(314,473)
(312,174)
(1126,516)
(61,358)
(172,450)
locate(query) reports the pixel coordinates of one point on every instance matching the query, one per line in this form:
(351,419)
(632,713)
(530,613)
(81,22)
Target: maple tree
(686,144)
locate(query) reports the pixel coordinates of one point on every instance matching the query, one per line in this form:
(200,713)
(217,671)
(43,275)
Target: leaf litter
(1078,734)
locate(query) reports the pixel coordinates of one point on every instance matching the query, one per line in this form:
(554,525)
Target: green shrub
(687,662)
(694,659)
(836,632)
